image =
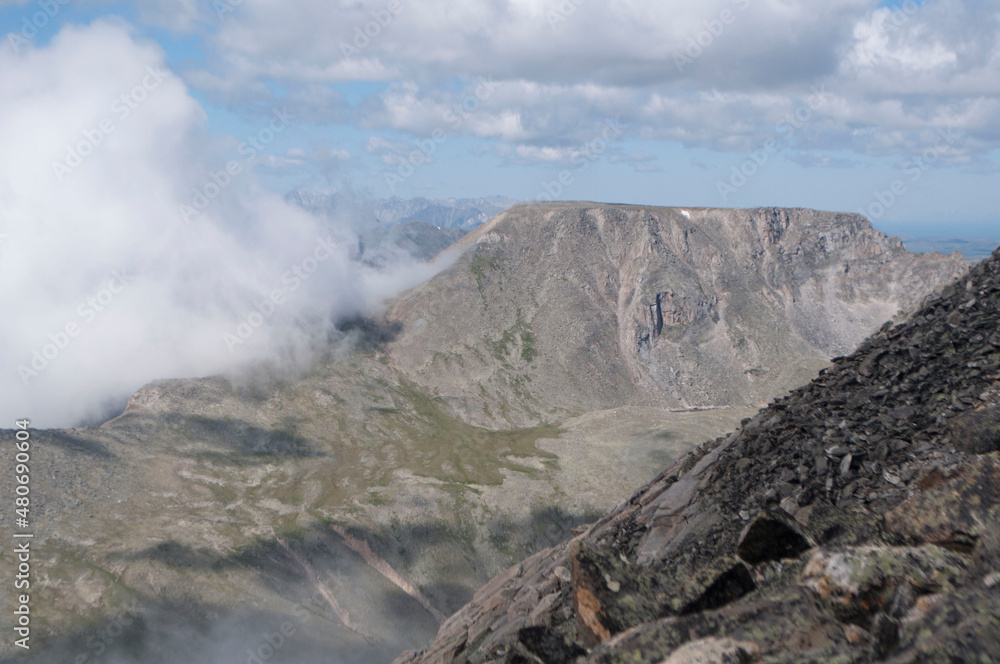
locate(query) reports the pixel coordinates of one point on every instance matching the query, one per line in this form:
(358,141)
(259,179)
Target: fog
(134,246)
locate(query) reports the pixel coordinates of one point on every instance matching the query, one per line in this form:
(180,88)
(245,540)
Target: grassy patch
(452,451)
(482,265)
(528,351)
(517,335)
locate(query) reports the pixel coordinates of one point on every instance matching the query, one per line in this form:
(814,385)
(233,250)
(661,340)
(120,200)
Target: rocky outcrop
(671,310)
(855,520)
(571,307)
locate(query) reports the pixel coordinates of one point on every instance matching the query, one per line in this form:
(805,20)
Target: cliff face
(855,520)
(574,306)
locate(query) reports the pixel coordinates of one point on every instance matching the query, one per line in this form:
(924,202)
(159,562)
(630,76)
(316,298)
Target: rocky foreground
(855,520)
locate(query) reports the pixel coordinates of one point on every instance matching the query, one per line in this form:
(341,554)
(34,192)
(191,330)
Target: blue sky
(700,91)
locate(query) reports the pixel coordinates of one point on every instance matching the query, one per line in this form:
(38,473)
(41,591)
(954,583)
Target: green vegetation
(442,447)
(480,264)
(528,351)
(520,332)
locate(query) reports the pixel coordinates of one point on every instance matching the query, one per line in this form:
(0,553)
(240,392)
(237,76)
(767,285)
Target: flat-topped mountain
(569,307)
(855,520)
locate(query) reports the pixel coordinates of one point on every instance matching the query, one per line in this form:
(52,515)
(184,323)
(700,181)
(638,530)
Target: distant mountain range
(464,213)
(975,249)
(417,239)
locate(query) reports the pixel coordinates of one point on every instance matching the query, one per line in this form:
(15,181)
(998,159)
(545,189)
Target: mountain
(521,392)
(464,213)
(461,213)
(415,240)
(975,249)
(854,520)
(570,307)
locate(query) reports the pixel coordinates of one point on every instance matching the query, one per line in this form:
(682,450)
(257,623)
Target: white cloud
(101,276)
(333,154)
(177,15)
(900,70)
(548,154)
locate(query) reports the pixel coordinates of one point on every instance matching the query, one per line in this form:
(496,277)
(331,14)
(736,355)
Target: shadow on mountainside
(73,442)
(195,633)
(373,333)
(279,560)
(244,438)
(336,589)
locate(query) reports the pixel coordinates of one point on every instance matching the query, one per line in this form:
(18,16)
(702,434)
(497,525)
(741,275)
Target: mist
(133,246)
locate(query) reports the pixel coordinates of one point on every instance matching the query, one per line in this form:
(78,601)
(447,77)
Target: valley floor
(158,550)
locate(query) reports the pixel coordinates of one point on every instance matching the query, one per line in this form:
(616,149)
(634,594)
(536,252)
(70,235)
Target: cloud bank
(133,246)
(718,74)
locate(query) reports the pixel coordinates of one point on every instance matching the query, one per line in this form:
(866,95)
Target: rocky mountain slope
(855,520)
(570,307)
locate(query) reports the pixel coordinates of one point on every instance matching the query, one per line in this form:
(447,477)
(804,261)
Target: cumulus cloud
(128,251)
(716,74)
(540,40)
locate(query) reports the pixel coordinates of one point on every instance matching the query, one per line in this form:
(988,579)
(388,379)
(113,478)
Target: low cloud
(132,247)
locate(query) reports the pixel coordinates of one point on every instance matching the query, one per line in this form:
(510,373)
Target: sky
(146,148)
(890,109)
